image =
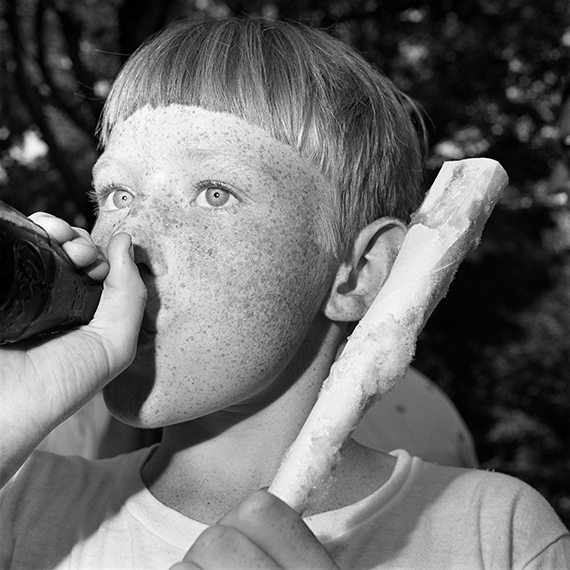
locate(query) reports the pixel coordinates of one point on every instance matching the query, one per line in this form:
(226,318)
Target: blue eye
(215,195)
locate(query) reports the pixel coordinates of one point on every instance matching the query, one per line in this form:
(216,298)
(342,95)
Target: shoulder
(426,515)
(44,472)
(483,491)
(56,504)
(47,480)
(47,467)
(508,517)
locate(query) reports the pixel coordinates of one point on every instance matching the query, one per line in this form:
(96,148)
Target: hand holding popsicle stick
(446,227)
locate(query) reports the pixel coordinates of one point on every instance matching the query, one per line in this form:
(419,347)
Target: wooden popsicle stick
(445,228)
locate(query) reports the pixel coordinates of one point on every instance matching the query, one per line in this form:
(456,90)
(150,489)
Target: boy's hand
(261,532)
(45,380)
(77,244)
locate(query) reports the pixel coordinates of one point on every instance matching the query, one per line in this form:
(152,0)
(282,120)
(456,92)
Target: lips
(147,325)
(147,332)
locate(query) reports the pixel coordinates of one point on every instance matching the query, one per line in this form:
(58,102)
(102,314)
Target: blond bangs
(303,87)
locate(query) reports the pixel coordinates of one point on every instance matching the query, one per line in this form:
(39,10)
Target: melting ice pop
(446,227)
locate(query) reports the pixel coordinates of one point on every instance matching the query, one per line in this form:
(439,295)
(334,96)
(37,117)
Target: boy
(263,171)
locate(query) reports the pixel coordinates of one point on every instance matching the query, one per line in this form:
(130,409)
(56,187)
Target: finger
(185,566)
(225,547)
(119,314)
(84,253)
(279,531)
(98,270)
(77,244)
(57,228)
(80,248)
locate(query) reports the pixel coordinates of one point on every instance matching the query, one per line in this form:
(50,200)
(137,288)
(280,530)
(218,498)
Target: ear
(364,269)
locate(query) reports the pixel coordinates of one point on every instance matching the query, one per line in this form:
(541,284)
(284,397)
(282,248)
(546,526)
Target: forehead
(180,132)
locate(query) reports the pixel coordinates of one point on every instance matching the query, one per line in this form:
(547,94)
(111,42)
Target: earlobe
(364,269)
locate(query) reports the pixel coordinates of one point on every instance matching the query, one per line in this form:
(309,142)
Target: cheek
(254,293)
(232,316)
(233,309)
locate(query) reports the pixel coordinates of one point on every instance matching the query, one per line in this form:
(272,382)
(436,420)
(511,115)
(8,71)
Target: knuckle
(258,506)
(217,536)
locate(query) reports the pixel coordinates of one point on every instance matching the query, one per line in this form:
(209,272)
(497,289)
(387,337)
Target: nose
(148,248)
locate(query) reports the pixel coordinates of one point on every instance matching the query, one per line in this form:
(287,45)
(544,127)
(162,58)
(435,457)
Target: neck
(205,467)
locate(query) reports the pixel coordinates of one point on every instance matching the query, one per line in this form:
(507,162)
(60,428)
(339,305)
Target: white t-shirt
(80,434)
(68,512)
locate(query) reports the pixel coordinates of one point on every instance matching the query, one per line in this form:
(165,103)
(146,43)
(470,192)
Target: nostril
(144,269)
(141,255)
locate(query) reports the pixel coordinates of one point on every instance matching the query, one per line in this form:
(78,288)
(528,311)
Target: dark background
(491,76)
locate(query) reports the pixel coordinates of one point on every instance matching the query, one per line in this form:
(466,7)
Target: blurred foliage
(490,75)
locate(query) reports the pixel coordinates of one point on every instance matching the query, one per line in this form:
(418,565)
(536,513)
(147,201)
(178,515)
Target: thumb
(119,314)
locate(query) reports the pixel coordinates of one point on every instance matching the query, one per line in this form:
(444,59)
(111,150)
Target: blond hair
(306,89)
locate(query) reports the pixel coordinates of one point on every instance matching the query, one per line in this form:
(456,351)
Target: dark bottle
(41,291)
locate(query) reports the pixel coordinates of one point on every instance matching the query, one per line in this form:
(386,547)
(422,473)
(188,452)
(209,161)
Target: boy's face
(228,225)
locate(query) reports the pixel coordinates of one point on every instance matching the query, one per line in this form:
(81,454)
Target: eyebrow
(99,164)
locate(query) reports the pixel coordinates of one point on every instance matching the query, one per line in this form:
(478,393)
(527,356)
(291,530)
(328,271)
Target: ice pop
(445,228)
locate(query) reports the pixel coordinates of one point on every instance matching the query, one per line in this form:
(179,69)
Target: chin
(136,401)
(126,397)
(125,410)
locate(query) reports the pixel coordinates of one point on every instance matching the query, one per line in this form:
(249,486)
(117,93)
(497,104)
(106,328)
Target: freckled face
(228,225)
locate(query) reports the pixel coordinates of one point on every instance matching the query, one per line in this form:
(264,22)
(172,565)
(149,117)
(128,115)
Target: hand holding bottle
(41,289)
(44,380)
(76,243)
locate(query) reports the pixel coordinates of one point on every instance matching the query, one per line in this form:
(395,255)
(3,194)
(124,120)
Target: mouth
(148,323)
(146,339)
(148,326)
